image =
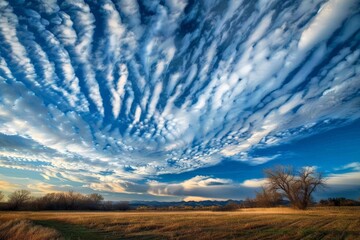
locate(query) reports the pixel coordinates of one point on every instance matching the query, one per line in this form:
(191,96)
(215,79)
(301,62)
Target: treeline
(339,202)
(23,200)
(260,201)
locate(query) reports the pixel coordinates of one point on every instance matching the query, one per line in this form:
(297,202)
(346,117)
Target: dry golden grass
(25,229)
(273,223)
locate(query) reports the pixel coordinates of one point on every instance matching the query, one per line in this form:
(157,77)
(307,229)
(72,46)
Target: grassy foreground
(273,223)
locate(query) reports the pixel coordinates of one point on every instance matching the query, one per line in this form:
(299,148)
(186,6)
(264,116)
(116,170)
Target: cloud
(344,179)
(318,30)
(44,188)
(110,184)
(202,187)
(254,183)
(341,185)
(199,199)
(147,89)
(193,189)
(7,186)
(354,166)
(107,187)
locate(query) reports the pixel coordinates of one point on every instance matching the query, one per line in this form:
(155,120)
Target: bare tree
(19,198)
(267,197)
(73,199)
(1,196)
(95,198)
(295,187)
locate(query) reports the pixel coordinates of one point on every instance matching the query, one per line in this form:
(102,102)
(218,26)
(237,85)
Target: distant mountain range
(206,203)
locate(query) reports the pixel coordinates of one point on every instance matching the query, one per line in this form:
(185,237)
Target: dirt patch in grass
(74,231)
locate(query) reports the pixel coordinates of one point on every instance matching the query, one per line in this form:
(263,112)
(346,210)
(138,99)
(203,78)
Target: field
(274,223)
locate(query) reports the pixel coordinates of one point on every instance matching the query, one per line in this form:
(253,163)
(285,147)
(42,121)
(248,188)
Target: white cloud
(16,51)
(199,199)
(255,183)
(204,181)
(107,187)
(44,188)
(261,29)
(155,98)
(353,166)
(117,186)
(202,187)
(167,93)
(344,179)
(334,11)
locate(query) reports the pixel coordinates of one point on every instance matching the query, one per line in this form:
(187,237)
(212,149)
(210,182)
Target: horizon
(177,100)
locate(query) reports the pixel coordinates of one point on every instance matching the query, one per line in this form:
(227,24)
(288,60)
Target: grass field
(273,223)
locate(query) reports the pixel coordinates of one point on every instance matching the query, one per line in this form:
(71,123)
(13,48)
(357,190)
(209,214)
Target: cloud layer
(107,93)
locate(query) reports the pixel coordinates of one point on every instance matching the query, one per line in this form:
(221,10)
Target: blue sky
(176,99)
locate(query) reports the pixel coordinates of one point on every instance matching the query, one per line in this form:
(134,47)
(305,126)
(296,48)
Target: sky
(172,100)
